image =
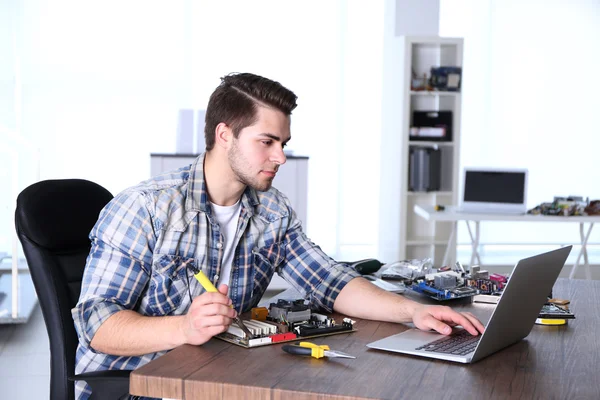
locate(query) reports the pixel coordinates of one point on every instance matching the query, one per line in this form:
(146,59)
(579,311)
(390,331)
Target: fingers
(437,325)
(460,319)
(441,319)
(210,323)
(213,297)
(223,289)
(476,323)
(209,314)
(201,309)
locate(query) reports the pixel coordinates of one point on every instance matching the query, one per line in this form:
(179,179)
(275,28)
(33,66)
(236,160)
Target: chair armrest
(111,384)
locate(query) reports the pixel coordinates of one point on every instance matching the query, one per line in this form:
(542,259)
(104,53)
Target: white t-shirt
(227,218)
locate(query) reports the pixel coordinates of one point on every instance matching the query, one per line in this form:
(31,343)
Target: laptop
(513,318)
(494,190)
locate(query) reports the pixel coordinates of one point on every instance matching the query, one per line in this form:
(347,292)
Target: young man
(220,215)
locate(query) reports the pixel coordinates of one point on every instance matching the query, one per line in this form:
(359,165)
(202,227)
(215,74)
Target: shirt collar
(197,196)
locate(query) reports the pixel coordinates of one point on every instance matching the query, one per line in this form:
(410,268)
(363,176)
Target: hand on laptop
(442,319)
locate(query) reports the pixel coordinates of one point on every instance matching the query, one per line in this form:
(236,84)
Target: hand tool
(313,350)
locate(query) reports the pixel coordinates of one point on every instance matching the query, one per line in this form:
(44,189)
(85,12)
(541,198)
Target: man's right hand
(209,315)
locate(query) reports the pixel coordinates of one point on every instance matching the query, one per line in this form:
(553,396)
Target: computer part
(284,321)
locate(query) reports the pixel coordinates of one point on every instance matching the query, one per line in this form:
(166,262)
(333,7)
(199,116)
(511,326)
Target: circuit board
(431,291)
(228,337)
(446,284)
(553,311)
(284,321)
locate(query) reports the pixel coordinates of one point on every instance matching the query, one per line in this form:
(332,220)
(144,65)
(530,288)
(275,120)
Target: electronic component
(289,311)
(550,311)
(285,321)
(446,78)
(429,289)
(447,284)
(259,313)
(486,298)
(444,281)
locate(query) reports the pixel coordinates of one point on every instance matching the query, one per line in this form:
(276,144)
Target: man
(222,216)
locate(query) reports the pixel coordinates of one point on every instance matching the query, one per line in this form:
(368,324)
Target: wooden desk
(551,363)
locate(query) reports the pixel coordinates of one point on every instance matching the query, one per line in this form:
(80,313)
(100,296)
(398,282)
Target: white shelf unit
(403,234)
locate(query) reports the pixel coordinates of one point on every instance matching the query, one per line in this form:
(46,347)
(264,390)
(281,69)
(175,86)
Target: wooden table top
(553,362)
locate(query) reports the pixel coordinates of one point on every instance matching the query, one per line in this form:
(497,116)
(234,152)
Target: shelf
(409,235)
(429,143)
(433,93)
(437,193)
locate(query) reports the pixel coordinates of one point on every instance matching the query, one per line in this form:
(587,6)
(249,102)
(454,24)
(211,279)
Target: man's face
(257,153)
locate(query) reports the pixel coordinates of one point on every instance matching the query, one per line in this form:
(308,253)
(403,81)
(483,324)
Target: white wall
(417,18)
(102,83)
(529,100)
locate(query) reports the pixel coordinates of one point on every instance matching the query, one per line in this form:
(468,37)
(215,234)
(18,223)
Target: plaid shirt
(150,238)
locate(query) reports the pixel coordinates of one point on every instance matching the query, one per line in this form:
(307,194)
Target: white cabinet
(291,179)
(404,235)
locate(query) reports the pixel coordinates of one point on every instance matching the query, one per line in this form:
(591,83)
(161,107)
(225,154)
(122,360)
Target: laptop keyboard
(460,344)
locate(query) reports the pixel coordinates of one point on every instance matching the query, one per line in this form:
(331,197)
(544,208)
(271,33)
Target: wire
(187,278)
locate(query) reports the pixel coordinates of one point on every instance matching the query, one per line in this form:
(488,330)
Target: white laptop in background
(494,190)
(527,290)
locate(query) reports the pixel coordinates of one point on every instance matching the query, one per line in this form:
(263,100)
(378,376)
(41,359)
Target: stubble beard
(243,170)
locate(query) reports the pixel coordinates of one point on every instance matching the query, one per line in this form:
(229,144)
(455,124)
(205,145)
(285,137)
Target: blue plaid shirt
(150,238)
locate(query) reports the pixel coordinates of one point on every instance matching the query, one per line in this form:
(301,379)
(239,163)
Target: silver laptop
(527,290)
(494,190)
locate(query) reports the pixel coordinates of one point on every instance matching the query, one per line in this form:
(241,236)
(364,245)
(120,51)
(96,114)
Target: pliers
(313,350)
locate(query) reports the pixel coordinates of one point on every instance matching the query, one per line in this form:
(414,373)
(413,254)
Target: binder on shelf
(424,169)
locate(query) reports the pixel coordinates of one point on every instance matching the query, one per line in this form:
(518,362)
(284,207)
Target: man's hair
(236,100)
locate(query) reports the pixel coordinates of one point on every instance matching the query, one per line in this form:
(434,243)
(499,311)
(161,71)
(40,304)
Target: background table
(551,363)
(450,214)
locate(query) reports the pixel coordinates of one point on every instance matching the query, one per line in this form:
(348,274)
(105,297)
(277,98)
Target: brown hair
(236,99)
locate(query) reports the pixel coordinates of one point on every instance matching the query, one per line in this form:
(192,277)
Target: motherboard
(284,321)
(447,283)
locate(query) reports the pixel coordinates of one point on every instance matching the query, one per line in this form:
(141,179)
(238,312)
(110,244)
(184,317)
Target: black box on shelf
(431,126)
(425,169)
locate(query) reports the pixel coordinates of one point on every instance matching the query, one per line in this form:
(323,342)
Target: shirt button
(216,279)
(219,245)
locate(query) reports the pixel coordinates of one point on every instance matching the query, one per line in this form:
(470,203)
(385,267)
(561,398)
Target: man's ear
(223,135)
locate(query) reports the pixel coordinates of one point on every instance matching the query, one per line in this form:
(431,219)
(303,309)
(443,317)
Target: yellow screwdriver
(209,287)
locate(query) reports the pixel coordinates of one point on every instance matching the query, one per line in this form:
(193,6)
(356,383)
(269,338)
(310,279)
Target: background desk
(451,215)
(551,363)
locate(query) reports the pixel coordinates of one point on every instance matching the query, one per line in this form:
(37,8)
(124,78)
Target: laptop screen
(495,186)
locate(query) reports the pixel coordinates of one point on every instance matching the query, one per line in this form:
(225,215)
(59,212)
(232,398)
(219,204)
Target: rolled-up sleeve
(118,266)
(312,272)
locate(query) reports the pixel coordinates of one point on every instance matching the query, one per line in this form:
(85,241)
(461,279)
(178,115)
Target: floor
(25,359)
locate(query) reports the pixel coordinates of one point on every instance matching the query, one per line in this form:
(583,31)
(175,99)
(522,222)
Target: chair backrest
(53,219)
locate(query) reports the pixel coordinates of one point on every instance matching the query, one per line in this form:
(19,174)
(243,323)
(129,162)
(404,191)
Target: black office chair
(53,220)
